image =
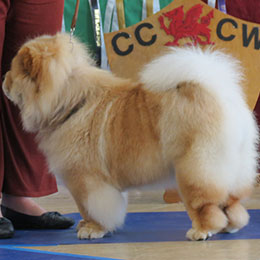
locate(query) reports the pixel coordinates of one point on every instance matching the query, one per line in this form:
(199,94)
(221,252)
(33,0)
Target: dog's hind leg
(207,220)
(237,215)
(202,203)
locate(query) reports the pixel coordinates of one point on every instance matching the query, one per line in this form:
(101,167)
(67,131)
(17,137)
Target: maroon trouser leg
(23,169)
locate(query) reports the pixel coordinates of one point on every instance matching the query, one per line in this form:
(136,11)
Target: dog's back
(209,111)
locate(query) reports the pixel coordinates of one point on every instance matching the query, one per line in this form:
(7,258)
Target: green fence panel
(84,26)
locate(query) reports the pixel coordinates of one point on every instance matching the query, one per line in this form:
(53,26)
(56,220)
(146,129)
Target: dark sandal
(48,220)
(6,228)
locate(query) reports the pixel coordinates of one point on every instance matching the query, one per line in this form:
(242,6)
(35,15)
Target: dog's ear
(31,62)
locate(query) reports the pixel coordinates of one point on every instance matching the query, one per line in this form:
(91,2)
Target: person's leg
(22,204)
(4,6)
(6,227)
(25,170)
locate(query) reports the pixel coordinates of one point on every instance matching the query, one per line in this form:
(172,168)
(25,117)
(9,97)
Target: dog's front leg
(102,207)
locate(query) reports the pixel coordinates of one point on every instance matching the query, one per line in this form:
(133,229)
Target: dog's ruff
(186,117)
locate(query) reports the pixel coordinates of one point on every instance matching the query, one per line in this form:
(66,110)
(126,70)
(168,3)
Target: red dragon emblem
(188,26)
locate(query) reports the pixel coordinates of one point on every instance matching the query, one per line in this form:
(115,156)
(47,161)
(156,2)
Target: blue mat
(139,227)
(11,253)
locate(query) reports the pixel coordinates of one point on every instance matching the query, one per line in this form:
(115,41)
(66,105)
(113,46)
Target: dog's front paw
(195,235)
(81,223)
(90,230)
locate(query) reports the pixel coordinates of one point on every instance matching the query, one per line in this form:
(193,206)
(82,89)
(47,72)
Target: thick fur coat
(185,118)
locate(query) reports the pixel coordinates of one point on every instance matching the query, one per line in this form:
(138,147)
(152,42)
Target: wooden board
(129,49)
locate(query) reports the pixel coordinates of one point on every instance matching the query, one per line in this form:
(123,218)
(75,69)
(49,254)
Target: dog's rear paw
(230,229)
(196,235)
(90,230)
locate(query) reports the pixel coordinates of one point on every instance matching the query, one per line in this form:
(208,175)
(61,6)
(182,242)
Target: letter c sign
(138,37)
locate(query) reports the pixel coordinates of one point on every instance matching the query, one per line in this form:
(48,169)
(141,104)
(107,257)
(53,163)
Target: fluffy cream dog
(187,117)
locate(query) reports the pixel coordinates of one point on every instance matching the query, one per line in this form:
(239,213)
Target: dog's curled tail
(212,69)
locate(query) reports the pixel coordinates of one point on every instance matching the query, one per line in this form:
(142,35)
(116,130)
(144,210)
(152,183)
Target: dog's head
(39,73)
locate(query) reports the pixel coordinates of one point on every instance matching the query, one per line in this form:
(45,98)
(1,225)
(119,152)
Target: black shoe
(48,220)
(6,228)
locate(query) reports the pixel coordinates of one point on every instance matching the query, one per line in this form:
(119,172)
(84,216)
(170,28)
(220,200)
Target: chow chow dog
(186,117)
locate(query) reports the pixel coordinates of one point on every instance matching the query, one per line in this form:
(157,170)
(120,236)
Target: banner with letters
(186,22)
